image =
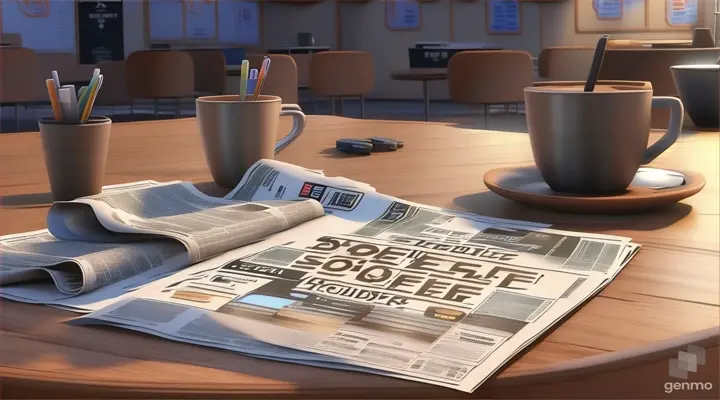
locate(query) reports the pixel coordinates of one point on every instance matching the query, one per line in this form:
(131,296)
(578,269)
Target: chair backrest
(342,73)
(702,38)
(210,71)
(114,89)
(20,78)
(489,77)
(11,39)
(653,65)
(565,63)
(157,74)
(282,81)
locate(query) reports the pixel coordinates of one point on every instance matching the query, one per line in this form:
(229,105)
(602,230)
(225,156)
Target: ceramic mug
(236,134)
(594,142)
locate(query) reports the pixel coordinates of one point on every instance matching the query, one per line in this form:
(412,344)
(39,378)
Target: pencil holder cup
(75,156)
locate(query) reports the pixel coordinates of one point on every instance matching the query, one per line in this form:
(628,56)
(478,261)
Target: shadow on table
(211,188)
(493,205)
(332,152)
(29,200)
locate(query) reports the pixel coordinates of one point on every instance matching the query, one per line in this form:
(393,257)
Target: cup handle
(674,126)
(298,125)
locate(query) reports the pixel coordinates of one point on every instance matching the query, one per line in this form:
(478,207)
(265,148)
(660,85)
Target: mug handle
(298,125)
(674,126)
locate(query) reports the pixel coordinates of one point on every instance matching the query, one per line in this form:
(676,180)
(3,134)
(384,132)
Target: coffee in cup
(594,142)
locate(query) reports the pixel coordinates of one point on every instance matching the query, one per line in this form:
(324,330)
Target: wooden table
(616,346)
(424,75)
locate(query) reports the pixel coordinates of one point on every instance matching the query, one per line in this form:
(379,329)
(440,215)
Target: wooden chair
(565,63)
(114,90)
(653,65)
(21,83)
(282,81)
(210,71)
(160,74)
(342,74)
(489,77)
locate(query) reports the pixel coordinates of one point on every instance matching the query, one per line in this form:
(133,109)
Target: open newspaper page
(206,225)
(384,285)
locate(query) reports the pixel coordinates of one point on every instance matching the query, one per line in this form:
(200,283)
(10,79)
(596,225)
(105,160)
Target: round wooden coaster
(525,185)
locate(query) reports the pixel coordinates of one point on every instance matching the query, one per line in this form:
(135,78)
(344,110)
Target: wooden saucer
(525,185)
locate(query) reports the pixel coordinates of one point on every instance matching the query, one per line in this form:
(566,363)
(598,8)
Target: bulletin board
(503,17)
(203,21)
(607,16)
(403,15)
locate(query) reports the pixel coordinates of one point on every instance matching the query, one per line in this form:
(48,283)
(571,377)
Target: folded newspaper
(378,284)
(99,247)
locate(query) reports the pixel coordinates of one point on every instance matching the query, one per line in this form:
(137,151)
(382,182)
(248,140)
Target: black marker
(398,144)
(380,144)
(354,146)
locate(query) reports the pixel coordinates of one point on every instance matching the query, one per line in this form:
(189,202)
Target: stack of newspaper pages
(295,266)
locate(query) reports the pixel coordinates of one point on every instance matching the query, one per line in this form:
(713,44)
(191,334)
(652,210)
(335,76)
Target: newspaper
(382,285)
(130,235)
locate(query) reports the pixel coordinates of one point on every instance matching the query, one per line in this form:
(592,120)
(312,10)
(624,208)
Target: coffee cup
(594,142)
(699,89)
(236,134)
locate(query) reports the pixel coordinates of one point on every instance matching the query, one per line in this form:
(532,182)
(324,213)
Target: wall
(67,64)
(545,24)
(282,22)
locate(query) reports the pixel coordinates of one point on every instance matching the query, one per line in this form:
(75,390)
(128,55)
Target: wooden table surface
(668,296)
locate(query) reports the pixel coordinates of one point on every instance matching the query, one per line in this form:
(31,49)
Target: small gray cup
(75,156)
(594,142)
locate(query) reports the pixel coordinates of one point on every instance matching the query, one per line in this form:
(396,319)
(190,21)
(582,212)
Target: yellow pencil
(91,100)
(54,101)
(244,71)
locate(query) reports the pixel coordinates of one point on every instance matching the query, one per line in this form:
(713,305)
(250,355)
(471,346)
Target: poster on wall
(402,15)
(45,26)
(200,21)
(681,13)
(239,22)
(165,20)
(610,16)
(615,9)
(100,31)
(503,17)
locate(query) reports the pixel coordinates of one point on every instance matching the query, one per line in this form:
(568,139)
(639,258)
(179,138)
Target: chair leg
(486,113)
(17,117)
(362,107)
(332,107)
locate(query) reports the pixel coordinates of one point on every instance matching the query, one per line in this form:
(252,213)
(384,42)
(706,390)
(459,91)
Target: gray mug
(594,142)
(236,134)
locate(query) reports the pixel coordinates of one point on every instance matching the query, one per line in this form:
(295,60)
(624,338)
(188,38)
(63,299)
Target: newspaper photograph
(416,293)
